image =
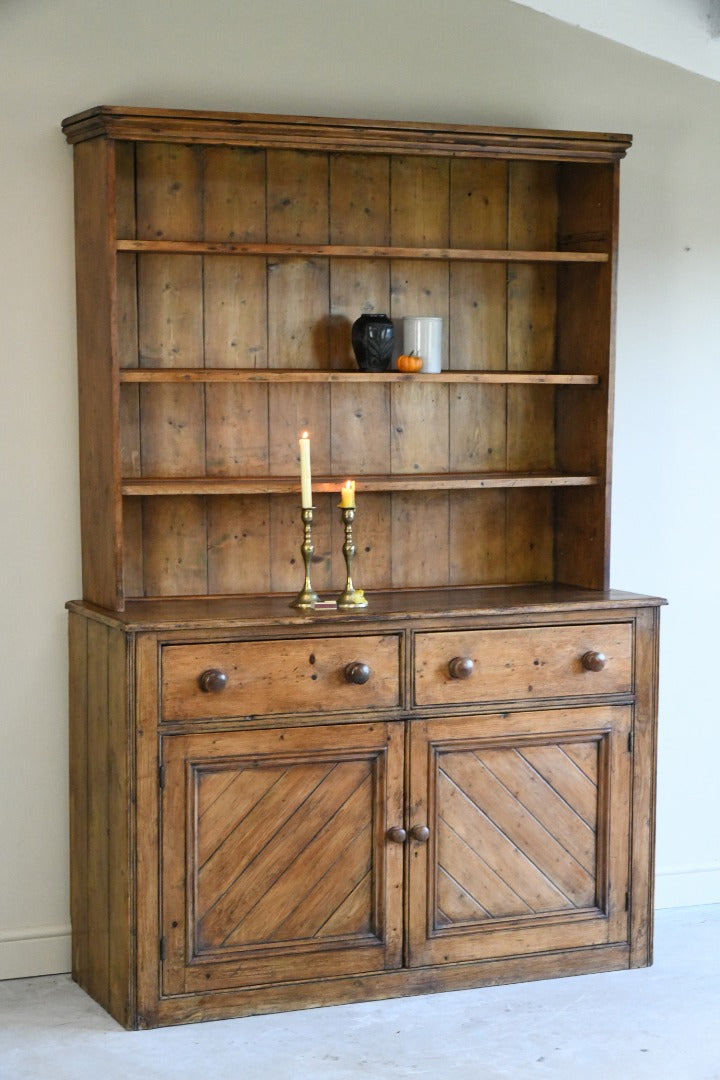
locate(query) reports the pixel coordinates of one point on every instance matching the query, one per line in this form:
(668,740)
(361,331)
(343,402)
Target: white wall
(464,61)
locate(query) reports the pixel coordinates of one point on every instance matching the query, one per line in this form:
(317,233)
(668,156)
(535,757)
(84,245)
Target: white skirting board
(45,950)
(36,950)
(687,887)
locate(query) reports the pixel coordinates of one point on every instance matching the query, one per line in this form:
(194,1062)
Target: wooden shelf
(197,250)
(288,485)
(357,251)
(277,375)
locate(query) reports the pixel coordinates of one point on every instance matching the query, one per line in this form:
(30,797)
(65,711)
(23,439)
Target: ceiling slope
(682,32)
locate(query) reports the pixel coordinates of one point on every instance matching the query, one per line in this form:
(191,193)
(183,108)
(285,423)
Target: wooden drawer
(526,663)
(281,676)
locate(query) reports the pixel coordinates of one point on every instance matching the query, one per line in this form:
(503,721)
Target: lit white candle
(347,495)
(305,477)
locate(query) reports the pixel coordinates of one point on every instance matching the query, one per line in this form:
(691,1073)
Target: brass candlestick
(350,597)
(307,597)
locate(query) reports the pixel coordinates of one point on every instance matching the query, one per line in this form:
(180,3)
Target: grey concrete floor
(661,1022)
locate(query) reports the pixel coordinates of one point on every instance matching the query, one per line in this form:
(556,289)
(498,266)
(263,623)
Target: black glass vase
(372,339)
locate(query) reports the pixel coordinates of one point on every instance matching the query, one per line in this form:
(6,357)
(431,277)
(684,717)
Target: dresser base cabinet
(251,847)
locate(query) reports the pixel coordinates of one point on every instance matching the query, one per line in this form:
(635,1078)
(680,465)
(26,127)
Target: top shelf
(357,251)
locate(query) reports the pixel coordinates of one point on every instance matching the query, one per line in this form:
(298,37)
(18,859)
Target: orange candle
(347,495)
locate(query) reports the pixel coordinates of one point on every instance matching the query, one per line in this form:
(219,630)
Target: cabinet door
(527,817)
(275,862)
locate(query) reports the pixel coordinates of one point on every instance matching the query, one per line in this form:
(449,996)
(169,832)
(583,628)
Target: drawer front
(525,663)
(258,678)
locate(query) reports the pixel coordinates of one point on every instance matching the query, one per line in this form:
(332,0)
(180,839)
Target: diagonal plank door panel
(276,854)
(523,812)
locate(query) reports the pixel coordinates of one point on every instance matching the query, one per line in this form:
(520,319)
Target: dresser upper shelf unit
(222,261)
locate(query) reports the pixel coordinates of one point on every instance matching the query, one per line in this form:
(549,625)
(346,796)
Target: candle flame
(305,435)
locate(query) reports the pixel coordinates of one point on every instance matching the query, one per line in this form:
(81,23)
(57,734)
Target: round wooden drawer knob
(421,833)
(213,681)
(357,673)
(397,834)
(460,667)
(594,661)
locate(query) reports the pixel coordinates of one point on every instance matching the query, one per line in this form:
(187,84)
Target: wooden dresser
(275,808)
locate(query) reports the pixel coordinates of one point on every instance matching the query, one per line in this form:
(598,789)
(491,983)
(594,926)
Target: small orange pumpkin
(409,362)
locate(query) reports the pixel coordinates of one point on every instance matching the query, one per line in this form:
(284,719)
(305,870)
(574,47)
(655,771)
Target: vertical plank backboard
(478,219)
(294,409)
(419,441)
(297,213)
(359,214)
(420,542)
(477,341)
(360,413)
(169,206)
(478,538)
(238,544)
(175,545)
(420,214)
(286,533)
(529,535)
(235,330)
(372,535)
(132,547)
(532,225)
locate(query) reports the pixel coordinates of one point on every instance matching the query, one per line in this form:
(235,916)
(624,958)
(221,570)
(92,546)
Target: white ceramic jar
(422,336)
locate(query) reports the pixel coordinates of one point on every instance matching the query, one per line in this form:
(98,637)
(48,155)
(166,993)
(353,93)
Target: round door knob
(357,673)
(213,681)
(461,667)
(397,834)
(594,661)
(421,833)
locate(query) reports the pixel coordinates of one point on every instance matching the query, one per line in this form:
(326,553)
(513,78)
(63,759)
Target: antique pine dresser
(277,807)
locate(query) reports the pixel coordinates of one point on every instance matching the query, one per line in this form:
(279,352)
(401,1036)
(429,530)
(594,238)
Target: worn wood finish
(235,337)
(496,878)
(277,808)
(254,129)
(97,391)
(359,211)
(642,836)
(476,607)
(532,663)
(280,676)
(523,833)
(172,428)
(101,833)
(283,862)
(236,272)
(588,215)
(362,251)
(214,375)
(410,481)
